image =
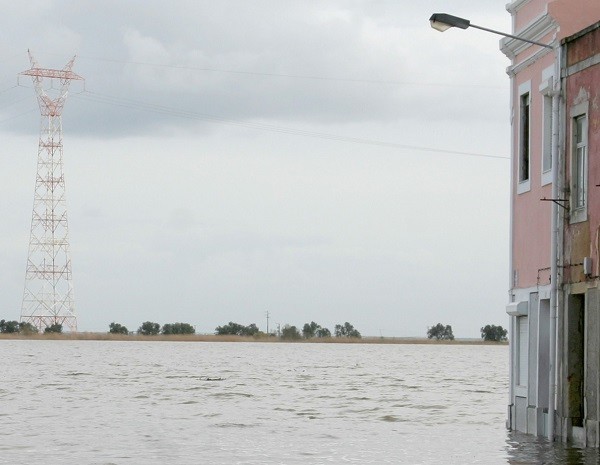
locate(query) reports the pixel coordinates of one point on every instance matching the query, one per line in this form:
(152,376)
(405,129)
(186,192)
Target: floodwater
(109,402)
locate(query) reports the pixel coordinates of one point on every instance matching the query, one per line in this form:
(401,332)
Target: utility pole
(48,297)
(268,323)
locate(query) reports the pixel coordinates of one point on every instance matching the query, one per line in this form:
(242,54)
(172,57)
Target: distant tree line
(12,327)
(236,329)
(289,332)
(488,333)
(150,328)
(15,327)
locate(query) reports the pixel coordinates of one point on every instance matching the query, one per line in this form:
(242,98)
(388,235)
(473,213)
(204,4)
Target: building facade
(578,408)
(554,301)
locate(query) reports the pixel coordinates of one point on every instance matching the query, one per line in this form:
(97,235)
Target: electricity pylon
(48,297)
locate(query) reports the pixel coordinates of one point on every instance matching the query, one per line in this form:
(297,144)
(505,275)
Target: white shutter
(523,350)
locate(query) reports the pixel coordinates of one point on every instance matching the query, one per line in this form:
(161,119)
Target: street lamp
(442,22)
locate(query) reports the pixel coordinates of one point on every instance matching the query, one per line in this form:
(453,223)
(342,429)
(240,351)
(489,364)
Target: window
(579,168)
(547,139)
(522,134)
(524,138)
(578,158)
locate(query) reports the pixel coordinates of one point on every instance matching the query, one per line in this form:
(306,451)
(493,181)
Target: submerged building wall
(572,396)
(578,407)
(532,73)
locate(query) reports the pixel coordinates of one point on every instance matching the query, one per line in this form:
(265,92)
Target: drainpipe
(555,244)
(511,280)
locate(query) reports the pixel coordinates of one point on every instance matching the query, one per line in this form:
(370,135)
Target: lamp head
(443,21)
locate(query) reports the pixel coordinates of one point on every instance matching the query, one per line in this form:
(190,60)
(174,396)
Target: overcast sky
(321,160)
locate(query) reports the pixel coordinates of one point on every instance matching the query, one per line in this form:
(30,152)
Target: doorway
(575,358)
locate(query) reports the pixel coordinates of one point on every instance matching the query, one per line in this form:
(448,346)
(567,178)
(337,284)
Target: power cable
(174,112)
(9,88)
(17,116)
(161,109)
(286,75)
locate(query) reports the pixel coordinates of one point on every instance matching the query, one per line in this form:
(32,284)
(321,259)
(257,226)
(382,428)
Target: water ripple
(119,402)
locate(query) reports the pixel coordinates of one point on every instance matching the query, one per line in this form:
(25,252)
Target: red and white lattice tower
(48,296)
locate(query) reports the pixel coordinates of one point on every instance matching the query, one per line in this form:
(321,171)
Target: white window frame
(546,140)
(579,171)
(524,180)
(545,89)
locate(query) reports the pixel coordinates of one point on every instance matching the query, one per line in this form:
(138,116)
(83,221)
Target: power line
(8,88)
(174,112)
(17,116)
(289,75)
(186,114)
(14,102)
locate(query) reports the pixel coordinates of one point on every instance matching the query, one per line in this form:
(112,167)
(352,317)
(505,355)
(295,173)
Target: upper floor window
(579,163)
(524,156)
(523,136)
(547,136)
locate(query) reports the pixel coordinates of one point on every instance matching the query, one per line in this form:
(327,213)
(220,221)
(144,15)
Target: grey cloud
(364,42)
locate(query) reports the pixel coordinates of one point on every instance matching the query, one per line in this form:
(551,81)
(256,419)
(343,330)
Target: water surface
(114,402)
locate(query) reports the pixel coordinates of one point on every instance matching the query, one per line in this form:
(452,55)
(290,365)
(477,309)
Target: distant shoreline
(88,336)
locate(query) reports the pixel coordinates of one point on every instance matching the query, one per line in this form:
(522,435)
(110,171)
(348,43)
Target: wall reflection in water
(523,449)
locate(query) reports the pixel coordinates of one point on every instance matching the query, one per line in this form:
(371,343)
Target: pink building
(554,303)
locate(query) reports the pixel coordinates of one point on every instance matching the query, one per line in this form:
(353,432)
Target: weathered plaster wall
(579,328)
(581,239)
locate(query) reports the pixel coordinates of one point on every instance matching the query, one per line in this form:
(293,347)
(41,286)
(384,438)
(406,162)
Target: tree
(27,328)
(250,330)
(236,329)
(230,329)
(116,328)
(493,333)
(178,328)
(290,333)
(54,328)
(149,328)
(346,330)
(310,329)
(323,332)
(313,329)
(9,326)
(440,332)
